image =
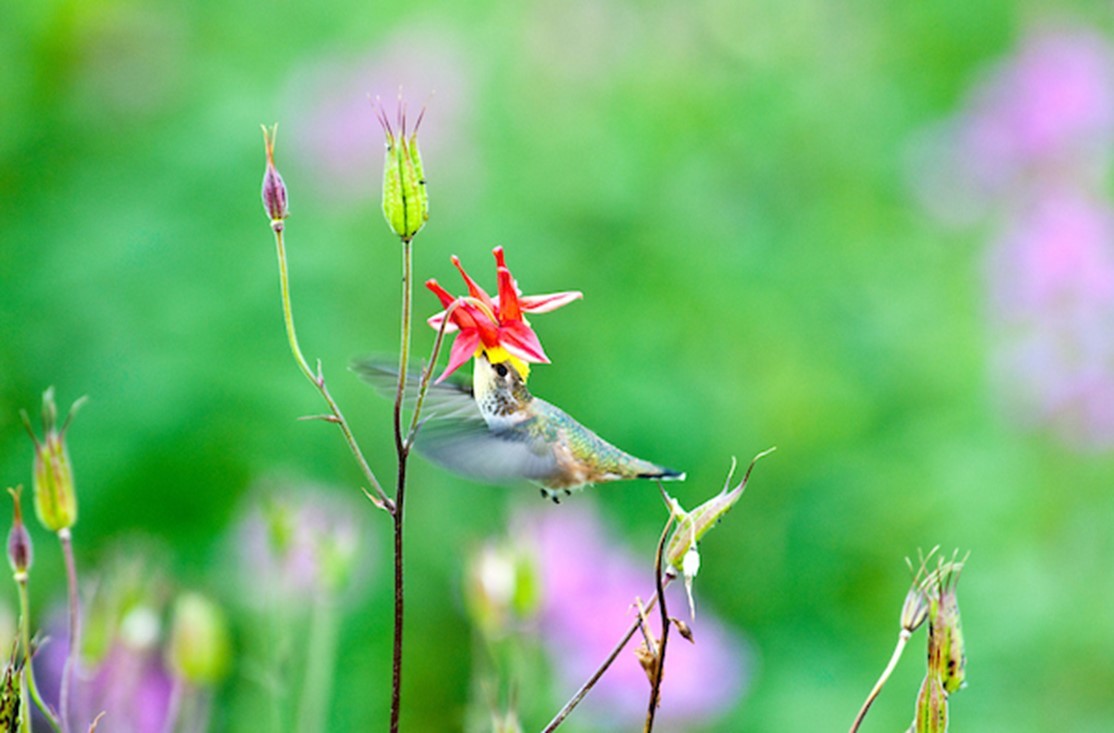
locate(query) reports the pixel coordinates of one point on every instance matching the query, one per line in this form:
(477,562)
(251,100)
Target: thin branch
(318,379)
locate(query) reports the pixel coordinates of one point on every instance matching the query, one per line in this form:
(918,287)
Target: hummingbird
(495,430)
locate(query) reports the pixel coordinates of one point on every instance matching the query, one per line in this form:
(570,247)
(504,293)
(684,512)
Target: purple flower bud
(274,190)
(19,540)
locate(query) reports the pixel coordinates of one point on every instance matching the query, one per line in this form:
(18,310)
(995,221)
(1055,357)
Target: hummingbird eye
(501,369)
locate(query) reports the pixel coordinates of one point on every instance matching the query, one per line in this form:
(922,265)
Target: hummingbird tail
(663,474)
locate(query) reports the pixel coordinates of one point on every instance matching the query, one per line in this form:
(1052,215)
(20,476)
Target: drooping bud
(19,539)
(691,526)
(405,198)
(199,650)
(914,610)
(55,498)
(931,715)
(274,189)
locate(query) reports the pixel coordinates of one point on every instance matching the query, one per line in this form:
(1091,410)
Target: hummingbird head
(499,388)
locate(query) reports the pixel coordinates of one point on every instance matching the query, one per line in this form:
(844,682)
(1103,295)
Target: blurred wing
(451,399)
(470,448)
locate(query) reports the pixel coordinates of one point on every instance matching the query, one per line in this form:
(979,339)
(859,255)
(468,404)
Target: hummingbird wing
(472,449)
(455,435)
(449,399)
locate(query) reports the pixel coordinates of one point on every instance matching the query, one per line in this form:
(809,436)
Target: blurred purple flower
(1052,288)
(129,683)
(339,139)
(1046,110)
(294,545)
(588,590)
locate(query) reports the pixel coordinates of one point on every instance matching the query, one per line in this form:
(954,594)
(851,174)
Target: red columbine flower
(495,326)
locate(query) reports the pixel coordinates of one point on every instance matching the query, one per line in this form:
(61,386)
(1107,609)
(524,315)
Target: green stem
(318,379)
(72,658)
(25,640)
(320,658)
(902,639)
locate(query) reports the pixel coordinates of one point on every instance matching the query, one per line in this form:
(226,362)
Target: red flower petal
(473,288)
(508,299)
(463,348)
(548,302)
(520,340)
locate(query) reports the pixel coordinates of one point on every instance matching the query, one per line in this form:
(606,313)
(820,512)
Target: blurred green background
(727,182)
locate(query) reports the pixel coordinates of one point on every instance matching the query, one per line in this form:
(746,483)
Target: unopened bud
(405,198)
(502,587)
(19,539)
(274,190)
(199,650)
(55,498)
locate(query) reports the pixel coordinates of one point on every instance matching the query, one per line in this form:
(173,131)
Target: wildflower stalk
(659,668)
(312,714)
(75,628)
(318,379)
(25,641)
(902,640)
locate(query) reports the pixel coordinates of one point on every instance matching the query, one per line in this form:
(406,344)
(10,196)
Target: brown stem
(402,448)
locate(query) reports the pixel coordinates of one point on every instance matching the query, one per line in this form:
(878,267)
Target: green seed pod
(405,198)
(55,497)
(931,715)
(946,627)
(9,693)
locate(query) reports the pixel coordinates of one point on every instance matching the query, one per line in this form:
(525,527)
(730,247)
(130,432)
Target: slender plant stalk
(902,640)
(29,674)
(318,381)
(75,629)
(585,688)
(402,447)
(174,704)
(659,668)
(320,657)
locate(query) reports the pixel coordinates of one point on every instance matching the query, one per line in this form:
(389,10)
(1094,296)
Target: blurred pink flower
(588,589)
(1046,110)
(1052,295)
(337,136)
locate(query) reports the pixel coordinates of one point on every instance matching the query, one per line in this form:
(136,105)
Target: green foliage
(725,181)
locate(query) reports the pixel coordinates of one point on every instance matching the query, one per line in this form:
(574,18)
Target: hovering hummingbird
(495,430)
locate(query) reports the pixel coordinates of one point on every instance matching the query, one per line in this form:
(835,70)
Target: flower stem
(402,447)
(902,639)
(585,688)
(75,629)
(659,668)
(318,379)
(320,657)
(28,671)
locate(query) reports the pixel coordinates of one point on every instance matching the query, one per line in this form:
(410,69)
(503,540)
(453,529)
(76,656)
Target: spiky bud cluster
(405,198)
(947,658)
(55,497)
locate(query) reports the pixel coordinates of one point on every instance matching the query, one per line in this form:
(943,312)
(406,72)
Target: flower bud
(405,198)
(199,650)
(19,539)
(55,498)
(502,586)
(274,190)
